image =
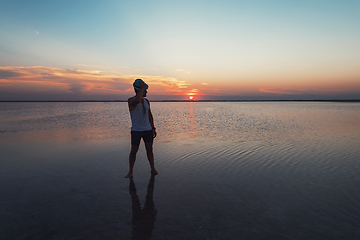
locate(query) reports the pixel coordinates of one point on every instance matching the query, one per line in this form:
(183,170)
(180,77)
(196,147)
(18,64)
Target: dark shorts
(137,135)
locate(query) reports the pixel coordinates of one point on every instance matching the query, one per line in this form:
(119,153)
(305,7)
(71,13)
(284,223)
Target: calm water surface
(228,170)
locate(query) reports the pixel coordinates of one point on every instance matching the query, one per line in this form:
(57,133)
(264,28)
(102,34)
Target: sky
(210,50)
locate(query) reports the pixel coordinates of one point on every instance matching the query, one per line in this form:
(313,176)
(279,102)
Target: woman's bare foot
(153,171)
(129,175)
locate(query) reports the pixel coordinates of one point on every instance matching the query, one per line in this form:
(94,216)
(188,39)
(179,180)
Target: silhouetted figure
(142,125)
(143,220)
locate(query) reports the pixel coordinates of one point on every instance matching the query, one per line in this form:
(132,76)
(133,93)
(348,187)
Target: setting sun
(191,97)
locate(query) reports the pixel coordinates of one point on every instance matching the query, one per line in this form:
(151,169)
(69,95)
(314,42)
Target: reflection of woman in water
(143,220)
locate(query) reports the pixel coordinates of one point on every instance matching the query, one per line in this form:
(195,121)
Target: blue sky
(213,49)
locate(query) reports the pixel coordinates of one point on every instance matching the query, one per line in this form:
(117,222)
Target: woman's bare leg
(150,156)
(132,158)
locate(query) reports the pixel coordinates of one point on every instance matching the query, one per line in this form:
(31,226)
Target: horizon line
(238,100)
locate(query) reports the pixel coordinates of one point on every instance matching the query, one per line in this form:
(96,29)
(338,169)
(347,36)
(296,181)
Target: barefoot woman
(142,125)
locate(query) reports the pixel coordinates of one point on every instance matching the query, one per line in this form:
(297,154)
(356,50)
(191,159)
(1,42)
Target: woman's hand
(142,84)
(154,133)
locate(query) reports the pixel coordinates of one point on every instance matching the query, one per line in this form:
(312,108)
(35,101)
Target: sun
(191,97)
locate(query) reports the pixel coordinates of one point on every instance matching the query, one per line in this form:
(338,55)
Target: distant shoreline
(329,100)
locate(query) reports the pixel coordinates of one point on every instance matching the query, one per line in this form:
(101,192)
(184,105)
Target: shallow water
(228,170)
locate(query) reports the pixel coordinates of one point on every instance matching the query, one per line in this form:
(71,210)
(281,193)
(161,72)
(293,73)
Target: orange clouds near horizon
(87,83)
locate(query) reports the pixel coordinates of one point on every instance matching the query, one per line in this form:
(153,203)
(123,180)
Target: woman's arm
(151,120)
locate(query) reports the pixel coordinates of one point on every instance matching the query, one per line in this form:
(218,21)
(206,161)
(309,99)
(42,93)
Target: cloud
(299,91)
(182,71)
(193,92)
(76,87)
(36,32)
(8,74)
(38,80)
(92,66)
(168,84)
(280,90)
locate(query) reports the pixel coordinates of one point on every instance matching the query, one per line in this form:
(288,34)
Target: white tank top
(140,117)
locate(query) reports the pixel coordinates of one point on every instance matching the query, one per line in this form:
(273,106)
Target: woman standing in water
(142,125)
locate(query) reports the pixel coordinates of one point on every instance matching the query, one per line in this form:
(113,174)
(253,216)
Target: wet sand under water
(282,179)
